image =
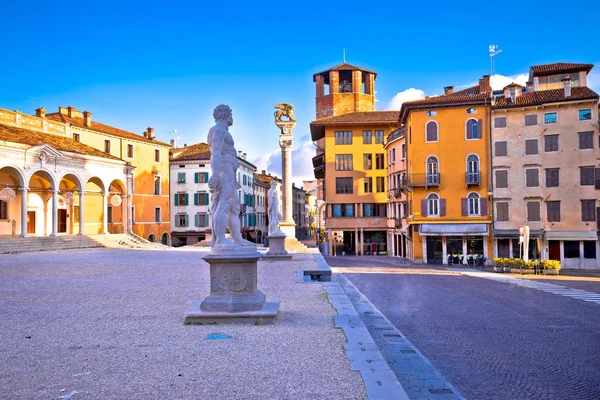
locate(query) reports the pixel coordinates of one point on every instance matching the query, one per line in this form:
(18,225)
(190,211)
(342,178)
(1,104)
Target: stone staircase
(10,245)
(293,244)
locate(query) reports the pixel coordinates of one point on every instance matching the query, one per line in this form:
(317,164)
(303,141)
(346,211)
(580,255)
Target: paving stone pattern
(490,339)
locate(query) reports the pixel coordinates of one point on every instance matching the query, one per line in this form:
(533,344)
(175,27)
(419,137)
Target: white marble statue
(223,186)
(274,214)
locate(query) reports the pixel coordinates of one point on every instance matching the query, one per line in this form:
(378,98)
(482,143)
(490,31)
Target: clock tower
(344,89)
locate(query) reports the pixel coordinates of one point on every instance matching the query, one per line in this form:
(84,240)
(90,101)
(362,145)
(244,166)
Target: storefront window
(516,249)
(534,249)
(571,248)
(454,245)
(475,245)
(589,249)
(504,248)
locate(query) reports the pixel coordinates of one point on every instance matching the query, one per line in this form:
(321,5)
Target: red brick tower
(344,89)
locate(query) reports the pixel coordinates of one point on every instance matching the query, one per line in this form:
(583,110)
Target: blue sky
(165,64)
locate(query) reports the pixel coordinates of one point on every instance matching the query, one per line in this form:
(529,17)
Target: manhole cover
(441,391)
(218,336)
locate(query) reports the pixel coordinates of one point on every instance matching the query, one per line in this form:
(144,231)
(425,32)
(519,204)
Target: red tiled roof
(549,69)
(199,151)
(33,138)
(472,95)
(547,96)
(97,126)
(345,67)
(366,117)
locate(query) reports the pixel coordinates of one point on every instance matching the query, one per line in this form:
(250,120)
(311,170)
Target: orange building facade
(447,175)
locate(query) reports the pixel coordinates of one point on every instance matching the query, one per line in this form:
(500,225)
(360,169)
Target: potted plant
(529,266)
(518,263)
(498,263)
(551,267)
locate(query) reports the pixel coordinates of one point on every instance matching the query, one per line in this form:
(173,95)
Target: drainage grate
(441,391)
(408,351)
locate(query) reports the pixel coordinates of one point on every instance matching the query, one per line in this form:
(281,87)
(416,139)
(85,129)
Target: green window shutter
(196,177)
(206,177)
(207,201)
(186,199)
(186,220)
(196,220)
(176,199)
(195,199)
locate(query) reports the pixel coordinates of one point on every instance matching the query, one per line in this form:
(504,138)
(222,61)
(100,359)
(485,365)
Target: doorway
(62,221)
(554,250)
(434,249)
(31,222)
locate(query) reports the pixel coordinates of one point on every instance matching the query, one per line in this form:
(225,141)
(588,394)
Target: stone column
(81,214)
(54,212)
(464,249)
(362,243)
(104,213)
(24,191)
(287,224)
(128,201)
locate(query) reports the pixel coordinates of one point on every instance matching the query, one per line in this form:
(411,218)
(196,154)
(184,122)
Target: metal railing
(472,178)
(423,180)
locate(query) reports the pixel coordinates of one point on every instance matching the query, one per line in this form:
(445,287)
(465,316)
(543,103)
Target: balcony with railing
(426,180)
(472,178)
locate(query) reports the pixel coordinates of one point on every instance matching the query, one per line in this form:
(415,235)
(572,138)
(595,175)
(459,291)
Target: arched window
(433,205)
(473,200)
(472,169)
(151,238)
(431,131)
(472,129)
(433,171)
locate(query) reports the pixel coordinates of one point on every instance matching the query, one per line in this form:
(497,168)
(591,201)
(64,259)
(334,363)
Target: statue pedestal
(234,296)
(277,249)
(289,228)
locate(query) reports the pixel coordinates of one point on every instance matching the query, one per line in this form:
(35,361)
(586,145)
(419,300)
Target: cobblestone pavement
(490,339)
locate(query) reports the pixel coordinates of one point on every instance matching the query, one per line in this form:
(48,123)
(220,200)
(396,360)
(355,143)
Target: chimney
(240,153)
(529,86)
(71,111)
(173,143)
(244,156)
(150,133)
(40,112)
(448,89)
(263,172)
(87,119)
(484,84)
(185,145)
(567,84)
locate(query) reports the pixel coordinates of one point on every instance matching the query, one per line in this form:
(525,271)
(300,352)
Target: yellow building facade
(447,175)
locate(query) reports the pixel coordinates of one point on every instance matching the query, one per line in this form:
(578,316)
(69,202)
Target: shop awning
(514,234)
(571,235)
(454,230)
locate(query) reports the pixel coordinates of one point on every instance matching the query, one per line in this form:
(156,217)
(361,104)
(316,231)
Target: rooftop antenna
(493,52)
(344,56)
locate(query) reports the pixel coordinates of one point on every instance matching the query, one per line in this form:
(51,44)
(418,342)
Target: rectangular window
(132,214)
(181,220)
(532,177)
(589,249)
(367,161)
(156,214)
(130,151)
(181,177)
(571,248)
(588,210)
(500,122)
(156,185)
(403,151)
(201,199)
(201,177)
(156,155)
(368,184)
(4,210)
(378,137)
(586,140)
(109,214)
(501,149)
(342,210)
(531,147)
(343,185)
(393,154)
(550,118)
(367,137)
(343,162)
(76,137)
(586,176)
(380,161)
(585,115)
(531,120)
(553,211)
(380,181)
(374,209)
(550,143)
(502,179)
(552,177)
(343,137)
(107,146)
(201,220)
(533,211)
(502,211)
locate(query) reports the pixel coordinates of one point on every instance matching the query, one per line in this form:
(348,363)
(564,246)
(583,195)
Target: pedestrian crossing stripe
(544,287)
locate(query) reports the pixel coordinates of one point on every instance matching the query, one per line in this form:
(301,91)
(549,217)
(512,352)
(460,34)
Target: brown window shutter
(464,207)
(597,181)
(424,207)
(479,129)
(442,207)
(483,207)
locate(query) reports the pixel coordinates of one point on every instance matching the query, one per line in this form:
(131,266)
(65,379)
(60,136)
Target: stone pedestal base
(289,228)
(234,296)
(277,249)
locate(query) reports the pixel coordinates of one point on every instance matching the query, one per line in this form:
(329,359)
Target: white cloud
(302,169)
(401,97)
(500,81)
